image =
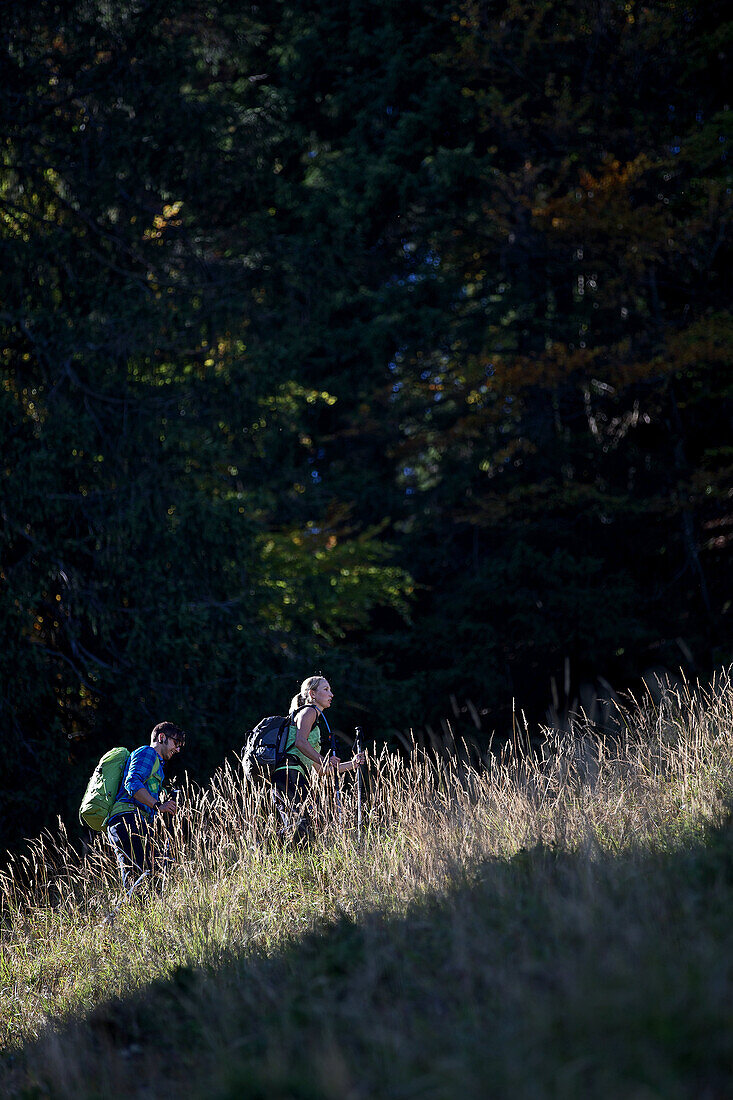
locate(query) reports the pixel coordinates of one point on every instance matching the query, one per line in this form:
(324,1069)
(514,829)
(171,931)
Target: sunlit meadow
(551,922)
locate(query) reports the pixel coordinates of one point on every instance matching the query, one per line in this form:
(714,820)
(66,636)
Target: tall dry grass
(460,865)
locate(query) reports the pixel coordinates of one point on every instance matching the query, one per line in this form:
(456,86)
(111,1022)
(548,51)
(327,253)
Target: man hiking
(140,799)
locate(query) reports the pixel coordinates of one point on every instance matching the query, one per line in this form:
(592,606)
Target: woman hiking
(303,757)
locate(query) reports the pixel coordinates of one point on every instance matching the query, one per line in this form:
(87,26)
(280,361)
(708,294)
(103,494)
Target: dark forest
(390,339)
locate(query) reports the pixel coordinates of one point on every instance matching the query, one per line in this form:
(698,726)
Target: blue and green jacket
(143,768)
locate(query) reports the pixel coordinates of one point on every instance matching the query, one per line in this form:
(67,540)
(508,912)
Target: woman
(303,757)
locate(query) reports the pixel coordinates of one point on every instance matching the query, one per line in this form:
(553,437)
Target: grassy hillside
(550,926)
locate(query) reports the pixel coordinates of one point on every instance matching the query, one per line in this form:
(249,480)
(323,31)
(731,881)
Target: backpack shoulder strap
(318,711)
(305,706)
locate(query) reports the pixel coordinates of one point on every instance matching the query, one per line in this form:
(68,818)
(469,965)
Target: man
(139,800)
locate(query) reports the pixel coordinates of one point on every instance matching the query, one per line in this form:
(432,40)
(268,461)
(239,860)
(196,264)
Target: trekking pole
(167,859)
(127,896)
(337,788)
(357,750)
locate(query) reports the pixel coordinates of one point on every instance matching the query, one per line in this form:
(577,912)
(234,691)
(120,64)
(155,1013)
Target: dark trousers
(290,793)
(131,837)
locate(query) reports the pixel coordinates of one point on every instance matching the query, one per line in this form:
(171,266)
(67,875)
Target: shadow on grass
(550,975)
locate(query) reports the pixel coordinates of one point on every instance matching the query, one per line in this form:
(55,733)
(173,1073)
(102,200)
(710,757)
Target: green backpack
(102,788)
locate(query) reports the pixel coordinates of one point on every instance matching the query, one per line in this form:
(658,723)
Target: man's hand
(168,807)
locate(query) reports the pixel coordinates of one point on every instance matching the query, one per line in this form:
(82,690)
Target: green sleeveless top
(295,759)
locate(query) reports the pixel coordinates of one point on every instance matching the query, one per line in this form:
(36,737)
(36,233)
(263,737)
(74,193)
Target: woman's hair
(311,684)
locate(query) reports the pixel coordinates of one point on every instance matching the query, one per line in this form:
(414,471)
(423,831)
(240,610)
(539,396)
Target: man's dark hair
(168,729)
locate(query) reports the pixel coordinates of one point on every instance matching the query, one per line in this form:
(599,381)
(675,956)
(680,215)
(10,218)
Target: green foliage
(388,338)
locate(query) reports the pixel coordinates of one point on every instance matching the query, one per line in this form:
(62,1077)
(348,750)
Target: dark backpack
(266,746)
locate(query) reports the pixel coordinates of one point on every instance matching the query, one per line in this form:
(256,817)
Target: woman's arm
(350,765)
(304,724)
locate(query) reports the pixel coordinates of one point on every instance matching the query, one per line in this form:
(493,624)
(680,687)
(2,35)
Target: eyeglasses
(179,742)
